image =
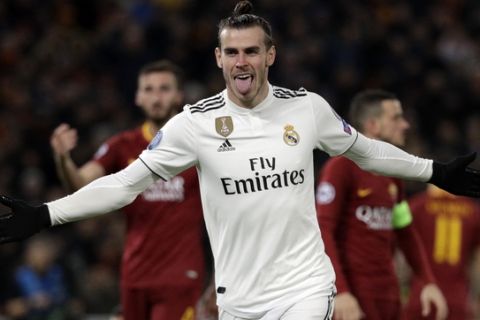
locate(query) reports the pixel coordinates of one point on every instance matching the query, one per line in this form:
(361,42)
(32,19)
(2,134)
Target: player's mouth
(243,82)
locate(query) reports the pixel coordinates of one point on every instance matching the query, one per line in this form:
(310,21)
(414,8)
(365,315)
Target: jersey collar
(147,131)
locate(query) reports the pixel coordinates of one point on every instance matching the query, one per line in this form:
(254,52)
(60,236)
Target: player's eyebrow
(252,49)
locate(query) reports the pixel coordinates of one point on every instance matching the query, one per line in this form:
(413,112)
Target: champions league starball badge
(290,136)
(156,140)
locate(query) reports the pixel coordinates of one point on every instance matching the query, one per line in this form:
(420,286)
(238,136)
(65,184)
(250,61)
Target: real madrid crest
(224,126)
(290,136)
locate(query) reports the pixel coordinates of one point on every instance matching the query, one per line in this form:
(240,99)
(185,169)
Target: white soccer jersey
(257,183)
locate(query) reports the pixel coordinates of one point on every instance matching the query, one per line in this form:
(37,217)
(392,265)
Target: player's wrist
(43,220)
(456,177)
(62,156)
(438,173)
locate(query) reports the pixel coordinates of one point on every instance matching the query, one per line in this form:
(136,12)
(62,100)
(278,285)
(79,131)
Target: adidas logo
(226,146)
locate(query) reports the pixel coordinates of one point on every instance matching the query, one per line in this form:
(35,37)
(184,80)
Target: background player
(362,217)
(163,268)
(449,227)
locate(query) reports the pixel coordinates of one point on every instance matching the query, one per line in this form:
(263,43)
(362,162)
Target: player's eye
(165,88)
(252,51)
(230,52)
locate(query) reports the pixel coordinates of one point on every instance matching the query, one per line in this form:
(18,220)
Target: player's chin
(159,117)
(246,97)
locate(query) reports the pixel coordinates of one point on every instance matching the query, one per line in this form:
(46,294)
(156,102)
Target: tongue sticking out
(243,85)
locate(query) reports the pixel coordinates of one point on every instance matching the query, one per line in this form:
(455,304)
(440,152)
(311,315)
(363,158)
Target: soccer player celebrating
(163,267)
(449,227)
(252,146)
(363,215)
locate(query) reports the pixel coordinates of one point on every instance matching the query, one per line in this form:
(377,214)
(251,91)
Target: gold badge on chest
(290,136)
(224,126)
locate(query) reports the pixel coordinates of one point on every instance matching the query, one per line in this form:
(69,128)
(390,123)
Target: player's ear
(271,53)
(371,126)
(218,57)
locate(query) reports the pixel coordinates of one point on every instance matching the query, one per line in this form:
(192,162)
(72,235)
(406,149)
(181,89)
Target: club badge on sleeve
(156,140)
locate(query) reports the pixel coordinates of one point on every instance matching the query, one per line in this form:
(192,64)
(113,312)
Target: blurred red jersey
(449,228)
(355,215)
(163,244)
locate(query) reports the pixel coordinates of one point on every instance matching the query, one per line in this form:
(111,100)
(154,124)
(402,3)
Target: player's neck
(370,135)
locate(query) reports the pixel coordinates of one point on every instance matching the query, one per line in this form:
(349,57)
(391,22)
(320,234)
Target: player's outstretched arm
(103,195)
(383,158)
(457,177)
(23,221)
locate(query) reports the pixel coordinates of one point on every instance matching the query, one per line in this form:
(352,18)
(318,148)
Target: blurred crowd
(76,61)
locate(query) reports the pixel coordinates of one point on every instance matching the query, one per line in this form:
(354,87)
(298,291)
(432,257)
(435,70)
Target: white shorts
(314,307)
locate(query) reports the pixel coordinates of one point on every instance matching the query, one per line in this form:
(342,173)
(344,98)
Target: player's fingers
(64,141)
(61,128)
(473,171)
(5,239)
(65,134)
(337,315)
(57,134)
(340,313)
(425,307)
(72,134)
(69,135)
(465,160)
(362,314)
(3,218)
(7,201)
(442,311)
(359,315)
(347,314)
(340,317)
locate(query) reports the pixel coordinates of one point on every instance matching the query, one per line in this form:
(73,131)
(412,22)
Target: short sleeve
(173,149)
(334,134)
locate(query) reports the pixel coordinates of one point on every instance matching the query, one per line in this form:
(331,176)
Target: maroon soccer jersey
(355,216)
(449,227)
(164,224)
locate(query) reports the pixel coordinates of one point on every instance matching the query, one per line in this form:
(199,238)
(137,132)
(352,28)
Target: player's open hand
(23,220)
(347,307)
(457,177)
(431,295)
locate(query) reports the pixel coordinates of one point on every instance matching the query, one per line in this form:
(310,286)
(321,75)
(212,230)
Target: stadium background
(76,61)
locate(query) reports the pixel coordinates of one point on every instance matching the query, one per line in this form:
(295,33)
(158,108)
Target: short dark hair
(241,18)
(366,104)
(163,66)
